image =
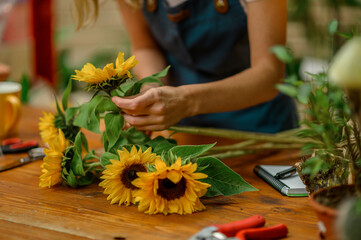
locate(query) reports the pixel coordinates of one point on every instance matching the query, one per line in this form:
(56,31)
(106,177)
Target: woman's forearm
(251,87)
(150,61)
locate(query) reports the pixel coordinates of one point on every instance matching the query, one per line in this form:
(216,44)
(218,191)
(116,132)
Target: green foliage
(106,157)
(161,144)
(227,183)
(25,87)
(190,152)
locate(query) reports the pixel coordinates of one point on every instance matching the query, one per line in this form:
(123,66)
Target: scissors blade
(34,154)
(16,163)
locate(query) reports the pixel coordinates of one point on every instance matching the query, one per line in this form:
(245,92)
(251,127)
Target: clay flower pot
(326,215)
(326,218)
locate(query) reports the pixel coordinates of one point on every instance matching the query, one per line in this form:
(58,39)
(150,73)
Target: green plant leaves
(161,144)
(89,114)
(66,95)
(333,26)
(188,152)
(106,157)
(113,127)
(287,89)
(223,180)
(282,53)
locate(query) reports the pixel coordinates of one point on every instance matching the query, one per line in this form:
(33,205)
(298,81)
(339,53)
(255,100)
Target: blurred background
(39,42)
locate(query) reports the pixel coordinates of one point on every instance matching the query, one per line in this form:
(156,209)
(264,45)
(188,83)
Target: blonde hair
(87,10)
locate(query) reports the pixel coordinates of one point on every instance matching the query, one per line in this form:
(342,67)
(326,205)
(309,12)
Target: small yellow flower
(47,128)
(119,175)
(173,189)
(51,167)
(92,75)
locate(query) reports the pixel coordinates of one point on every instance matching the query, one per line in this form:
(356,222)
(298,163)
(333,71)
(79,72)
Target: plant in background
(333,157)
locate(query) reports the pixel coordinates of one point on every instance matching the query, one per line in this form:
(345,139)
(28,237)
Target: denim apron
(203,45)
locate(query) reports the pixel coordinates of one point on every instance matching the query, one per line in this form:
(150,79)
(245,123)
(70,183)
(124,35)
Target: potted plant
(331,166)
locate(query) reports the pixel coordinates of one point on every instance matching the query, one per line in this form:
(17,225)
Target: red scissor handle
(24,145)
(230,229)
(274,232)
(11,141)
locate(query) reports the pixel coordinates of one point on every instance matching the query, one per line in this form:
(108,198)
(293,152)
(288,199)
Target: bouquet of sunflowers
(156,174)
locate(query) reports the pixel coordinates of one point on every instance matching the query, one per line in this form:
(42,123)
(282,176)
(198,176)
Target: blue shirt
(204,46)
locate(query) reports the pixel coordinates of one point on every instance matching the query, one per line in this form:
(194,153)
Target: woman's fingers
(139,121)
(137,103)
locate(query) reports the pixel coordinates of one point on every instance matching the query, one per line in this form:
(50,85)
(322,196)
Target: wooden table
(30,212)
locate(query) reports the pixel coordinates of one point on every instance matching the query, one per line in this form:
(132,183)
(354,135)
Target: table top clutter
(30,212)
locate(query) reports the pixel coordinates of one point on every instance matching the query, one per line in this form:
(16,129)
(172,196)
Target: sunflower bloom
(47,128)
(122,67)
(51,167)
(173,189)
(92,75)
(118,175)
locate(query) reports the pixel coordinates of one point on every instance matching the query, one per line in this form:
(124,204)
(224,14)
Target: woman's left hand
(154,109)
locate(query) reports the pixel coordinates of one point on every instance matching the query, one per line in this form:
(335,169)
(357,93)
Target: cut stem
(240,135)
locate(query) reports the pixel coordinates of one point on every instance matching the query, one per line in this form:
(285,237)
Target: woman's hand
(156,108)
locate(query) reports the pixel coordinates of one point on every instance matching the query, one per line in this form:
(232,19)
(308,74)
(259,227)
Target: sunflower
(51,167)
(47,128)
(118,175)
(173,189)
(92,75)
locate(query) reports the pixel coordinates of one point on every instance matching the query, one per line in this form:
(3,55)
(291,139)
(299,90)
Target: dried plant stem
(235,146)
(240,135)
(230,154)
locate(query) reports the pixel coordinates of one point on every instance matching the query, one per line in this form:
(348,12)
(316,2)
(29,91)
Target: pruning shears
(251,228)
(16,145)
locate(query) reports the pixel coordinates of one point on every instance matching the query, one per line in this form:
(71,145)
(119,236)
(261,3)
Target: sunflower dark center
(169,190)
(130,173)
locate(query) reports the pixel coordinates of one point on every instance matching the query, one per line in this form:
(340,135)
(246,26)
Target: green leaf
(190,151)
(86,180)
(162,73)
(287,89)
(84,141)
(223,180)
(76,165)
(70,114)
(123,88)
(333,26)
(88,116)
(161,144)
(60,112)
(66,95)
(105,141)
(106,157)
(71,179)
(135,136)
(107,105)
(303,93)
(282,53)
(345,35)
(78,143)
(113,126)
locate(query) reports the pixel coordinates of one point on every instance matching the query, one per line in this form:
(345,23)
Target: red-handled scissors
(251,228)
(15,145)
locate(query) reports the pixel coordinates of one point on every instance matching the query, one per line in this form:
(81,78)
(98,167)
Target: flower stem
(240,135)
(92,166)
(231,154)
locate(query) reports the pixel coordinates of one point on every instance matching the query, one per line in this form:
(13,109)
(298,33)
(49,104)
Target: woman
(222,72)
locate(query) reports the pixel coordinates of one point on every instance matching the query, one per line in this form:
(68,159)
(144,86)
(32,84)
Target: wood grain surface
(30,212)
